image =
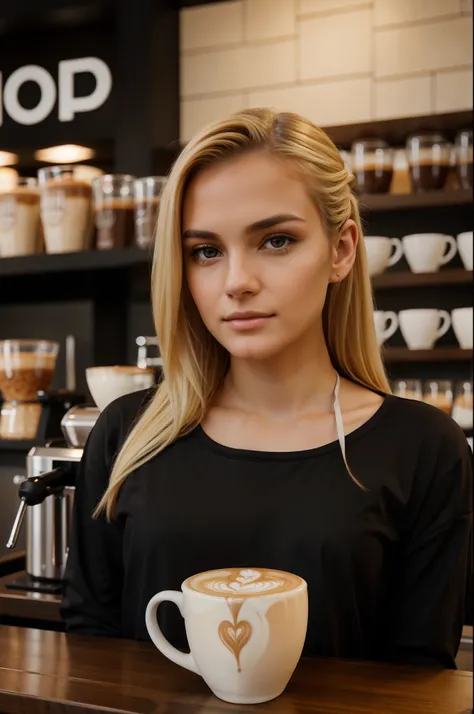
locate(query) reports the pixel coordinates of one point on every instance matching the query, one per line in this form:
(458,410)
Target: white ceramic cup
(462,326)
(386,324)
(421,328)
(382,253)
(465,247)
(427,252)
(109,383)
(245,628)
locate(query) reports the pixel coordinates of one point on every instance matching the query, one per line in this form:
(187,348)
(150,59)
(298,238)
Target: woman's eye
(280,241)
(204,253)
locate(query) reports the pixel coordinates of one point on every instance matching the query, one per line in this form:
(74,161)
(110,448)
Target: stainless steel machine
(47,499)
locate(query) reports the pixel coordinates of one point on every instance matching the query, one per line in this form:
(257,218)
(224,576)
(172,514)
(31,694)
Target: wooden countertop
(43,672)
(26,604)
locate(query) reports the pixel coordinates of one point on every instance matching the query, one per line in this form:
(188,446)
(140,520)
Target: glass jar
(20,219)
(429,157)
(463,405)
(463,150)
(408,389)
(372,165)
(439,393)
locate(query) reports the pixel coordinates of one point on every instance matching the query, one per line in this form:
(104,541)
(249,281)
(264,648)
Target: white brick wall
(335,61)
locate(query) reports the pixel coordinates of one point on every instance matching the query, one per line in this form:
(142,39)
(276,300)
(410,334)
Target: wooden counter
(45,672)
(23,604)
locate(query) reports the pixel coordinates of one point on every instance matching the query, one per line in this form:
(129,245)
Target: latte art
(250,582)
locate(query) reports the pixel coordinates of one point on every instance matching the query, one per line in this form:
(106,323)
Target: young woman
(273,440)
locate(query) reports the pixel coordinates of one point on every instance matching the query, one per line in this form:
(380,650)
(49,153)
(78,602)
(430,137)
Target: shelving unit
(86,261)
(437,354)
(405,201)
(407,279)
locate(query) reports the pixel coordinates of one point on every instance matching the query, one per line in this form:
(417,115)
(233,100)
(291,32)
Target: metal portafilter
(34,490)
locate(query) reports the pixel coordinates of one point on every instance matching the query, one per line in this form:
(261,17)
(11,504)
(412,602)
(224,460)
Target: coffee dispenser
(47,494)
(47,499)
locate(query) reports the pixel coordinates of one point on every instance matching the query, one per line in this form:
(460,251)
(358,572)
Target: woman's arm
(94,575)
(432,582)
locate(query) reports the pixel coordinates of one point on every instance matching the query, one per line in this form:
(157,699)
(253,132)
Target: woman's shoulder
(117,419)
(424,421)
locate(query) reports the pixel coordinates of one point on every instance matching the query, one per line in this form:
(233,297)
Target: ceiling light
(83,172)
(7,158)
(64,154)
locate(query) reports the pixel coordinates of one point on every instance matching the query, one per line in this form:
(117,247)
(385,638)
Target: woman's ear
(344,252)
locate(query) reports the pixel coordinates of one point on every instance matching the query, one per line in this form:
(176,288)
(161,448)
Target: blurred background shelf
(23,445)
(438,354)
(428,199)
(405,278)
(74,262)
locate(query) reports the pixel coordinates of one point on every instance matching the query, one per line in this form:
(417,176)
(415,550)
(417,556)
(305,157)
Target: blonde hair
(194,363)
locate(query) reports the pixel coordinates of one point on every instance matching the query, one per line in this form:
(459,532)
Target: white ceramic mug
(386,324)
(426,252)
(465,247)
(245,627)
(111,382)
(462,326)
(382,253)
(421,328)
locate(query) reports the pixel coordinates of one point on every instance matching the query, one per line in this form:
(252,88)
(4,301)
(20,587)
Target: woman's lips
(248,323)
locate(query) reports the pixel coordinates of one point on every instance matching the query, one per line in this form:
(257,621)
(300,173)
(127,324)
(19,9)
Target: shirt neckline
(254,454)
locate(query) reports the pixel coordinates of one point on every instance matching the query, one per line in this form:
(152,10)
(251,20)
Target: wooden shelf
(438,354)
(396,131)
(70,262)
(404,201)
(19,444)
(407,279)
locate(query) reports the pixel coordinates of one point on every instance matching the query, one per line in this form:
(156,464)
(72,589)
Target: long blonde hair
(194,363)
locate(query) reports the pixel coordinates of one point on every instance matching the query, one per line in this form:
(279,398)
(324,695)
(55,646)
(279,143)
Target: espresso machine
(47,499)
(47,493)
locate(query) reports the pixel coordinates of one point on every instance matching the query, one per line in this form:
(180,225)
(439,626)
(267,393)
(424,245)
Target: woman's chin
(253,348)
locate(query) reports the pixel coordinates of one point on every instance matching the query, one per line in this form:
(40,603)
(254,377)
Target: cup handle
(392,318)
(159,640)
(445,324)
(452,249)
(397,253)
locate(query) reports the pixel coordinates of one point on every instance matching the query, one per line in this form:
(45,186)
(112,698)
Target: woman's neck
(294,382)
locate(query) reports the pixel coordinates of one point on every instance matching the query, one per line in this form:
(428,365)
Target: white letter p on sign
(69,105)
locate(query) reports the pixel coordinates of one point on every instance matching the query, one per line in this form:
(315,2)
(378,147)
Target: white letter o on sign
(29,73)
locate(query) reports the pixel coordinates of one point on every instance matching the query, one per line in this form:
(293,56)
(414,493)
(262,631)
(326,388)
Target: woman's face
(253,241)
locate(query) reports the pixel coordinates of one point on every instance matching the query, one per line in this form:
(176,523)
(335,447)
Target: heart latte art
(250,582)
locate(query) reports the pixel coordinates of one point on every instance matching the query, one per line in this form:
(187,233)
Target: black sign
(57,86)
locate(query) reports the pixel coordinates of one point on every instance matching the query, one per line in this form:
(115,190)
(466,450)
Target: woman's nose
(241,277)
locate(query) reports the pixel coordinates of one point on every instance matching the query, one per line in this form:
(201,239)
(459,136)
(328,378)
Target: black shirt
(387,568)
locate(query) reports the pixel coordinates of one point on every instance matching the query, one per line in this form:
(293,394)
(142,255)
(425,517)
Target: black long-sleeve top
(388,569)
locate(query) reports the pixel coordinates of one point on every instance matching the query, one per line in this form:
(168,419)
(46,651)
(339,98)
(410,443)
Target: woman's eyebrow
(269,222)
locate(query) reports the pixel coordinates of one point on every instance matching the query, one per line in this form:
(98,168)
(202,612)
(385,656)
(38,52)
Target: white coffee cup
(426,252)
(465,247)
(462,326)
(111,382)
(245,627)
(421,328)
(382,253)
(386,324)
